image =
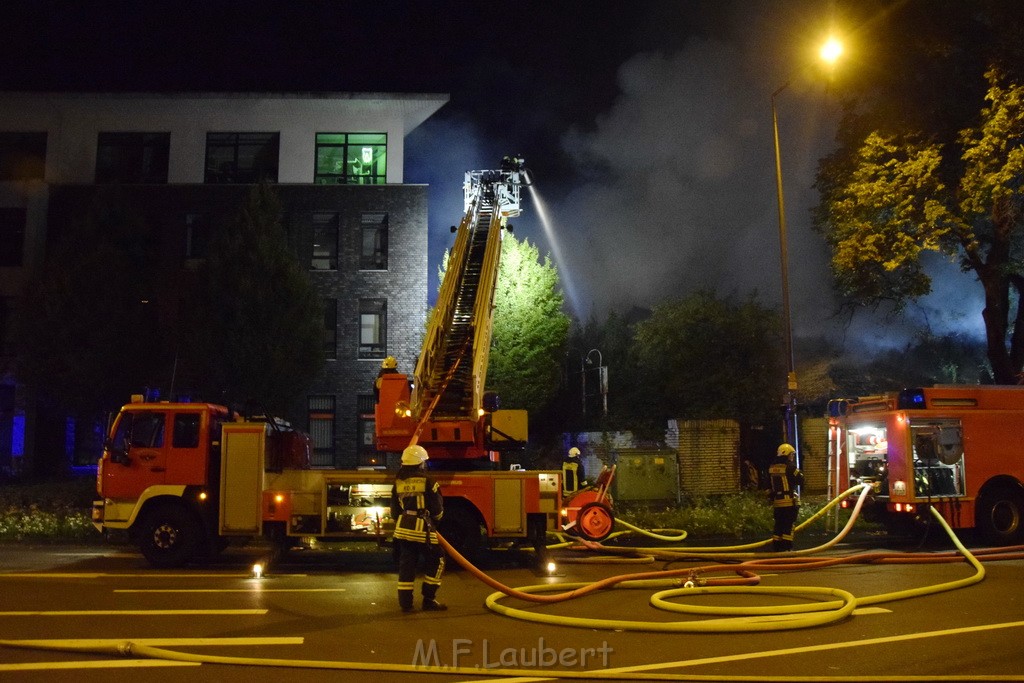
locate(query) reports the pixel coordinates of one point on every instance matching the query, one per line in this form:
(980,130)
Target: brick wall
(708,455)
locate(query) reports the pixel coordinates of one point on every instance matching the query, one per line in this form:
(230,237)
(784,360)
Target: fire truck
(184,478)
(956,448)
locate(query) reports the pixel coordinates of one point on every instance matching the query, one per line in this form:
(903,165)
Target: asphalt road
(340,607)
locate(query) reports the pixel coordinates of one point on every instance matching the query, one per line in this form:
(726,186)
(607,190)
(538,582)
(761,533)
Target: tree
(530,328)
(88,335)
(705,357)
(254,331)
(894,202)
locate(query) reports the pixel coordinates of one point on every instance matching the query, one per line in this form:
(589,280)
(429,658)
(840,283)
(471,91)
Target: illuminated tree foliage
(902,196)
(254,331)
(706,357)
(529,327)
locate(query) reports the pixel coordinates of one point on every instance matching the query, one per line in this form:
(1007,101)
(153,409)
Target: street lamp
(829,53)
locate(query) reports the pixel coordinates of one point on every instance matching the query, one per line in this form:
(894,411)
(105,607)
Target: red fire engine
(955,448)
(182,478)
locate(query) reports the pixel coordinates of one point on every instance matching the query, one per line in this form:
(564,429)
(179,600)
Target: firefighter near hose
(785,478)
(416,507)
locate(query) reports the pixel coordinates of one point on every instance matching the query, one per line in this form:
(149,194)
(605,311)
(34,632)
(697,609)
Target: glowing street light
(829,53)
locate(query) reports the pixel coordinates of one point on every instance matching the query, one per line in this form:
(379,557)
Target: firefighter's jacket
(785,478)
(416,505)
(572,474)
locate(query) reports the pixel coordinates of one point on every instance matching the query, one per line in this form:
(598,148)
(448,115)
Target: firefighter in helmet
(573,476)
(387,366)
(416,506)
(785,478)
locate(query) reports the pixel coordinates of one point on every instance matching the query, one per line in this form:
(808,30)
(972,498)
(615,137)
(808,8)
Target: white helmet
(574,452)
(414,455)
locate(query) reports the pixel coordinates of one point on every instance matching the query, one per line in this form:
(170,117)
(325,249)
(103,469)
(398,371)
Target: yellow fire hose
(731,619)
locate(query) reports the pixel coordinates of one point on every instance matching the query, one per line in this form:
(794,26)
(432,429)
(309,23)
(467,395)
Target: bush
(56,511)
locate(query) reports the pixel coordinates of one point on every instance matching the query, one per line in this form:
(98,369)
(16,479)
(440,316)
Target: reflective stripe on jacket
(416,505)
(785,478)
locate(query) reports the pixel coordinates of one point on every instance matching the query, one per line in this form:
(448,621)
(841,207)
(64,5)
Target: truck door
(136,458)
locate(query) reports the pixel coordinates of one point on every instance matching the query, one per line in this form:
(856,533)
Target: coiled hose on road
(675,584)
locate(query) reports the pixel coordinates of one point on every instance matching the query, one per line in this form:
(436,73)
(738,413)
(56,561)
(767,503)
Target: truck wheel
(595,522)
(1000,516)
(169,536)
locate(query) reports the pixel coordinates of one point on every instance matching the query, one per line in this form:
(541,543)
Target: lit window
(132,157)
(374,253)
(351,158)
(373,336)
(241,157)
(368,456)
(325,241)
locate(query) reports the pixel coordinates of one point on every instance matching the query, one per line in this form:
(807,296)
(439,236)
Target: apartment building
(336,160)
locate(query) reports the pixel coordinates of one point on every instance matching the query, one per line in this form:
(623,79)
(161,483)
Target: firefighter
(573,476)
(387,366)
(784,478)
(416,506)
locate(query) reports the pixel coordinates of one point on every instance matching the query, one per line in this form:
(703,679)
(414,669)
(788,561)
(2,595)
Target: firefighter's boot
(430,603)
(405,600)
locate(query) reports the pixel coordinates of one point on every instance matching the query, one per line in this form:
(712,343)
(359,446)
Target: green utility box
(646,475)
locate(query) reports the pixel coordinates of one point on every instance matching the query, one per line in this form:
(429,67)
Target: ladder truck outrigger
(183,479)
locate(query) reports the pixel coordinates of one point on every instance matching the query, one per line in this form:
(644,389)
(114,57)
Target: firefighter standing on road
(785,478)
(416,506)
(573,476)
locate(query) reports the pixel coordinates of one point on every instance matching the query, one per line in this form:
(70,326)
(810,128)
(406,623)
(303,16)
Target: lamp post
(829,53)
(790,423)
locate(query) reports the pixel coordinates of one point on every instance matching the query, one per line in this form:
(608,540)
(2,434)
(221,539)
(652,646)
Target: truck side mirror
(118,455)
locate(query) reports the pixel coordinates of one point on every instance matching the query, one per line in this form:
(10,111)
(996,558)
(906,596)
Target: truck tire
(170,536)
(595,522)
(1000,515)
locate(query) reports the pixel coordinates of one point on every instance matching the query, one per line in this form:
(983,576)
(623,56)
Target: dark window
(374,252)
(241,157)
(330,328)
(321,429)
(186,430)
(351,158)
(12,236)
(22,156)
(196,235)
(6,305)
(325,241)
(373,321)
(132,157)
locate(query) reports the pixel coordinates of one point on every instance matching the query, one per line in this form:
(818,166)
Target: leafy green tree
(893,202)
(530,328)
(705,357)
(254,329)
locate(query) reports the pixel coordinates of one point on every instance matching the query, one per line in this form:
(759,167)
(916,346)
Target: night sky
(646,123)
